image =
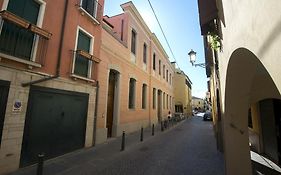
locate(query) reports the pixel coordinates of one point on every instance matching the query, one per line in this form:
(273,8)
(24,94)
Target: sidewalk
(96,155)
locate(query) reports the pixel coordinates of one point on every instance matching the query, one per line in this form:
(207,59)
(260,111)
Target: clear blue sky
(180,22)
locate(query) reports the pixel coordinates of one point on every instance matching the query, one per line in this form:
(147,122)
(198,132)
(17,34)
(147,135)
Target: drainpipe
(96,113)
(59,51)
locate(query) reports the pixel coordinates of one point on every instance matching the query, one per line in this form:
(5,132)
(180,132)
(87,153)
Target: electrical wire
(163,33)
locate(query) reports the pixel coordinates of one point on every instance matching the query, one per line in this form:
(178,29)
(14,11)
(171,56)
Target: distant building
(182,91)
(198,103)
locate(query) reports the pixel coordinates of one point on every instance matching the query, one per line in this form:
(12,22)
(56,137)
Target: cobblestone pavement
(185,149)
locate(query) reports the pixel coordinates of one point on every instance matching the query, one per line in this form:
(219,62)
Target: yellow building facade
(182,92)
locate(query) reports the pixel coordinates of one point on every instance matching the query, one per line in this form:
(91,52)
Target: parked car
(208,116)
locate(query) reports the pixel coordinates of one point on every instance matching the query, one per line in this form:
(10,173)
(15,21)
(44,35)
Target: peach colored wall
(117,56)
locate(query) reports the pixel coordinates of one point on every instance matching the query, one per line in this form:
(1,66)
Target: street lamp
(192,57)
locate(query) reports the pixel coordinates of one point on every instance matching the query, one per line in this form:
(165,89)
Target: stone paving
(186,148)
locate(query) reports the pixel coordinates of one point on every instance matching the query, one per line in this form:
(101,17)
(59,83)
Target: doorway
(111,101)
(4,91)
(159,105)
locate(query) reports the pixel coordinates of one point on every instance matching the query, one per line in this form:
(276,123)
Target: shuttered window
(132,93)
(81,63)
(14,40)
(133,42)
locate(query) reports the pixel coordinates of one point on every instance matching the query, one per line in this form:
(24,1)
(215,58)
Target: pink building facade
(135,76)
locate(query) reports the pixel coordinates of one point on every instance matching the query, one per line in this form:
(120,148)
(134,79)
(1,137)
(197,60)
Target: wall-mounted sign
(17,106)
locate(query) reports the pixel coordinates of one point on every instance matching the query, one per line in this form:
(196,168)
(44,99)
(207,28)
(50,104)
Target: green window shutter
(81,63)
(26,9)
(14,40)
(83,42)
(81,66)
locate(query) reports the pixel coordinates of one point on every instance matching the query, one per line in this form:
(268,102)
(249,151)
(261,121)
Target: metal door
(4,91)
(55,123)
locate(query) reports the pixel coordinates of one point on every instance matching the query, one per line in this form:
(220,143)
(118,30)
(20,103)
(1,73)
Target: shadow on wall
(247,82)
(271,39)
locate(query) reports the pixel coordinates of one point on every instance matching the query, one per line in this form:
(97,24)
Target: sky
(180,22)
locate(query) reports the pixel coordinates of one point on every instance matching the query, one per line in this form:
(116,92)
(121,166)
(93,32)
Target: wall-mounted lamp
(192,57)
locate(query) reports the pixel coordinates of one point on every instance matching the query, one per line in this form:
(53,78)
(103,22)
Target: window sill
(133,58)
(82,78)
(29,63)
(83,11)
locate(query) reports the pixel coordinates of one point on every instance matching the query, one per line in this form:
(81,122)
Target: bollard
(123,142)
(40,164)
(141,136)
(162,128)
(152,129)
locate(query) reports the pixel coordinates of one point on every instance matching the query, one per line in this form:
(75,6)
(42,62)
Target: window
(144,90)
(133,42)
(167,101)
(91,7)
(164,71)
(164,97)
(144,53)
(159,67)
(154,99)
(132,93)
(154,61)
(170,78)
(171,102)
(15,40)
(167,75)
(82,64)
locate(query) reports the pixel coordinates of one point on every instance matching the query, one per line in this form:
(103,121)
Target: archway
(247,82)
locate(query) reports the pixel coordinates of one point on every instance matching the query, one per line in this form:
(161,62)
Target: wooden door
(110,102)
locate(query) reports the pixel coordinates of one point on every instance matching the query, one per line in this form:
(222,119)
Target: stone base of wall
(131,127)
(101,135)
(14,121)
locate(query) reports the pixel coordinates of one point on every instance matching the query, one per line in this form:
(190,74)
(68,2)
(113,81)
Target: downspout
(96,113)
(59,51)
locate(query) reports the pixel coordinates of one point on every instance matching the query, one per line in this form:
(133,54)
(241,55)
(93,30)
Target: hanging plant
(214,41)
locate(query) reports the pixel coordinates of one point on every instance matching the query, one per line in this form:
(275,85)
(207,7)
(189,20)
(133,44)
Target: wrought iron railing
(21,39)
(93,8)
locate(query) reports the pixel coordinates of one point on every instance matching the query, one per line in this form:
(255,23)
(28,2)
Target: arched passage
(247,82)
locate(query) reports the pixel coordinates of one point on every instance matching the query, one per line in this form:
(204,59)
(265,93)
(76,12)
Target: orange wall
(52,22)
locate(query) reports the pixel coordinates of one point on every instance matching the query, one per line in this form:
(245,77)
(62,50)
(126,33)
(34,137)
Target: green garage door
(4,90)
(55,123)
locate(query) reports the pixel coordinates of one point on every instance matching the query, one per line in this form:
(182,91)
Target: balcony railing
(93,8)
(21,40)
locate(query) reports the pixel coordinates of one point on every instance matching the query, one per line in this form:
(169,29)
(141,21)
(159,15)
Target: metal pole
(141,136)
(152,129)
(40,164)
(123,141)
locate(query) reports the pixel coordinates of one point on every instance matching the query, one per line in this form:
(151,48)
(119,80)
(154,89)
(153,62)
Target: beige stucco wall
(254,26)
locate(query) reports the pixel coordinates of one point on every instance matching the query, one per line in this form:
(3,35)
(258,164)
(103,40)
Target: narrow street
(188,148)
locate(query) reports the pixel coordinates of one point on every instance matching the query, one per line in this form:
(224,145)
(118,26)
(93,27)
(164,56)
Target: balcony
(92,9)
(82,65)
(22,41)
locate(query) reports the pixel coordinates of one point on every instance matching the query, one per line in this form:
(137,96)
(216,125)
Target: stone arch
(247,81)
